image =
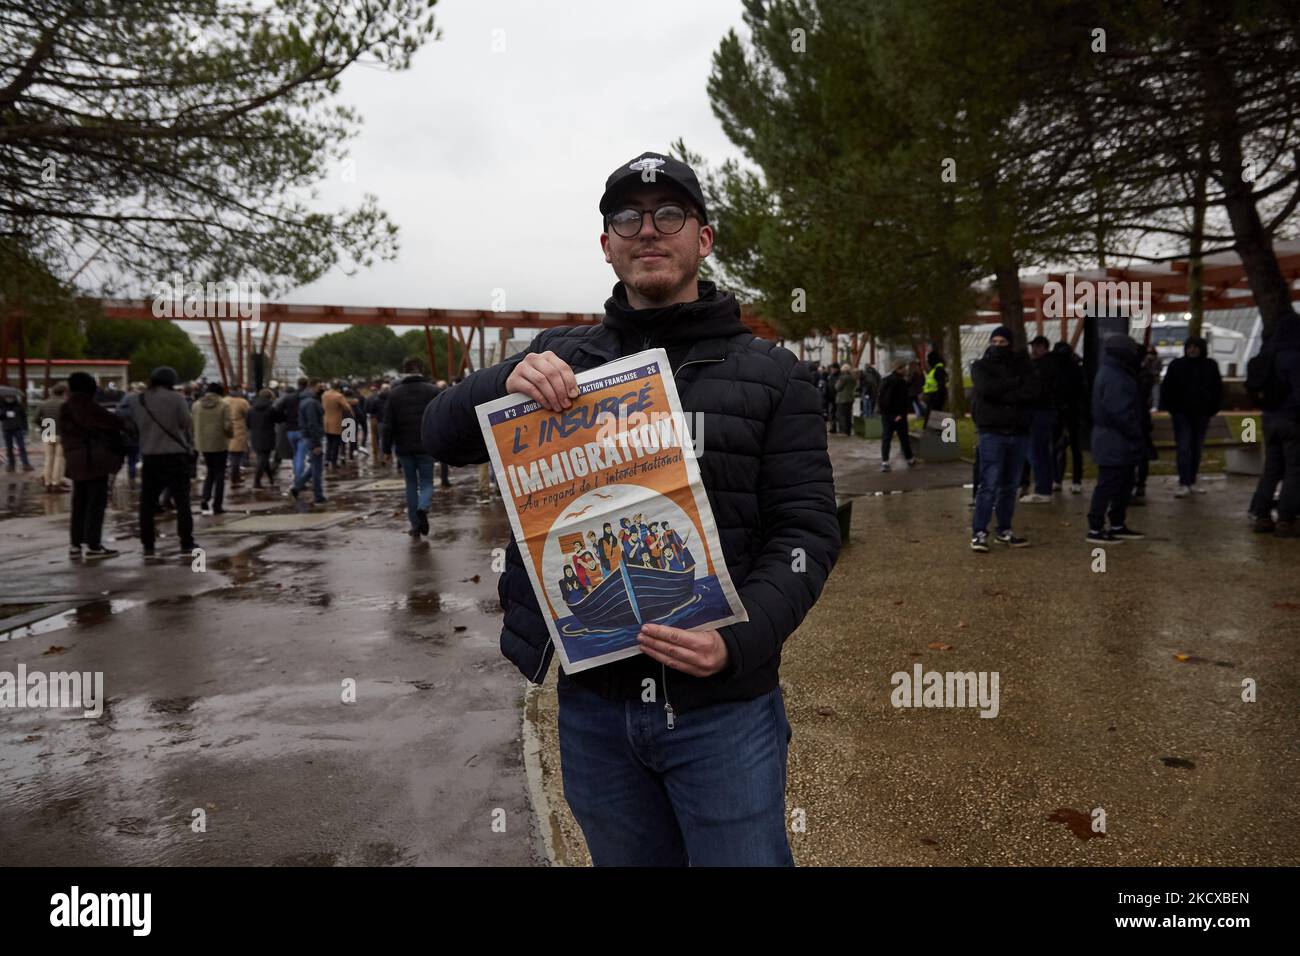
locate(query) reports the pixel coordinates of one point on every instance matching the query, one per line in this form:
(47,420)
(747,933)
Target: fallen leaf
(1286,605)
(939,646)
(1179,762)
(961,624)
(826,711)
(54,649)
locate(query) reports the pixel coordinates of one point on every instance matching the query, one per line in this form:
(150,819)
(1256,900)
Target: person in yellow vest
(238,445)
(934,393)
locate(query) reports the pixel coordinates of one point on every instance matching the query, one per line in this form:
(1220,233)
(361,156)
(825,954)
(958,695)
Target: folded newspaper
(607,506)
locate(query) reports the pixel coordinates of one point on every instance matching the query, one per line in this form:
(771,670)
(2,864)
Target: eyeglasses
(668,219)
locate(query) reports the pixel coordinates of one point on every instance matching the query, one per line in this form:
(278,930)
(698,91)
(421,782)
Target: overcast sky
(492,163)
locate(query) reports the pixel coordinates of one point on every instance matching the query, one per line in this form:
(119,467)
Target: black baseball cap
(650,169)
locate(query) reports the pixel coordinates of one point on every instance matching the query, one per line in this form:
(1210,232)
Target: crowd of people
(1031,409)
(168,433)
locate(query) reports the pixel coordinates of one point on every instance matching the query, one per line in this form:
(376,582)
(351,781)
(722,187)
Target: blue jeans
(1189,435)
(709,792)
(418,471)
(1040,449)
(300,450)
(315,468)
(19,438)
(1002,458)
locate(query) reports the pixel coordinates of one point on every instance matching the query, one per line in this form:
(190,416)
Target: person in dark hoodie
(1004,395)
(895,404)
(262,417)
(1118,439)
(699,777)
(1281,407)
(403,415)
(1071,394)
(286,407)
(1192,393)
(91,436)
(1148,378)
(1042,423)
(311,435)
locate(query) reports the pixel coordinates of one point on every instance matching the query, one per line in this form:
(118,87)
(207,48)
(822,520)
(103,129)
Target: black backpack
(1263,384)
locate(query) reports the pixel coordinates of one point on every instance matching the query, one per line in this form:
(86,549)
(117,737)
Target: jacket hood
(1198,341)
(1123,351)
(260,403)
(210,401)
(715,314)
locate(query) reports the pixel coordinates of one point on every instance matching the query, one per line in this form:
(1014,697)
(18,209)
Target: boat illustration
(632,596)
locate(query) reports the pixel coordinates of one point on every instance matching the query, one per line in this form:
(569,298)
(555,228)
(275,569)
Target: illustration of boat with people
(645,573)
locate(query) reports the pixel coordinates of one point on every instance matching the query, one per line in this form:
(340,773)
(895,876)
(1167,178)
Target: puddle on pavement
(88,615)
(1078,822)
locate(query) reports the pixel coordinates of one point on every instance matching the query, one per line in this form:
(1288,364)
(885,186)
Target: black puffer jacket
(894,397)
(1006,391)
(1192,386)
(403,414)
(764,467)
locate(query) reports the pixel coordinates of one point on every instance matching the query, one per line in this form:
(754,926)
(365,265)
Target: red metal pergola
(1223,281)
(462,326)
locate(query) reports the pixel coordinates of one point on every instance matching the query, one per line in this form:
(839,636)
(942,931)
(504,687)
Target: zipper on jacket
(668,707)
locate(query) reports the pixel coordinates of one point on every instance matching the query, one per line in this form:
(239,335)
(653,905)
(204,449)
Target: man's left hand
(698,653)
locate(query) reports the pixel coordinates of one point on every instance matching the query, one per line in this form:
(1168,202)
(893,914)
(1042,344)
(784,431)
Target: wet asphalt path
(225,693)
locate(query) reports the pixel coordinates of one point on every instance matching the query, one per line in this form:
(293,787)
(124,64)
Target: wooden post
(239,347)
(428,344)
(450,374)
(482,344)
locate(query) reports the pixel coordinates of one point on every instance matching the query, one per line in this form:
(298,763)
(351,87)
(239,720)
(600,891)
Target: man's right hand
(545,378)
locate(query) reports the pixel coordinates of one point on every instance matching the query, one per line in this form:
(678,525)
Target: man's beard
(658,286)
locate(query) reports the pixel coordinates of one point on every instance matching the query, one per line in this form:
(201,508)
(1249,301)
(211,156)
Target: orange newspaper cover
(606,503)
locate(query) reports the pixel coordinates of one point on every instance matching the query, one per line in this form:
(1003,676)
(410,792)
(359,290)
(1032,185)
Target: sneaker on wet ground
(101,552)
(1009,537)
(1264,525)
(1036,499)
(1198,489)
(884,466)
(74,551)
(1076,489)
(422,517)
(1102,537)
(980,542)
(913,462)
(1125,533)
(1182,492)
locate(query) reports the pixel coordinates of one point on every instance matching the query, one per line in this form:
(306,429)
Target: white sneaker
(913,462)
(205,510)
(1076,489)
(1035,499)
(1056,486)
(1198,489)
(1182,492)
(884,466)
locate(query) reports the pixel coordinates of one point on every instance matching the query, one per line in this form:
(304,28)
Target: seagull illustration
(599,495)
(578,514)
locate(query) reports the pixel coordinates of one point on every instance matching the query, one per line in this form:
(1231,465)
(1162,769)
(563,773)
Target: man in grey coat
(162,419)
